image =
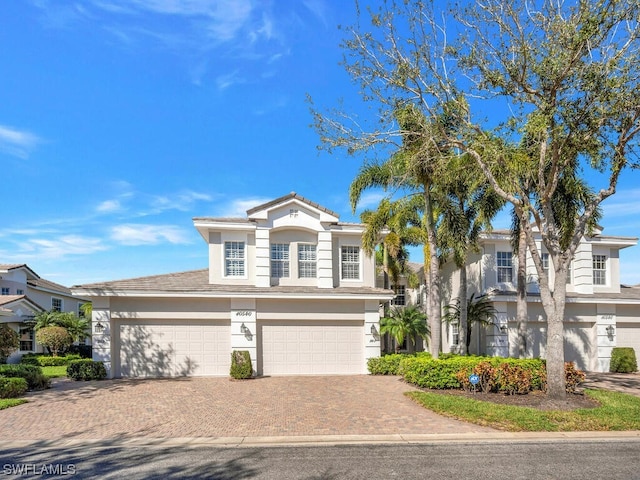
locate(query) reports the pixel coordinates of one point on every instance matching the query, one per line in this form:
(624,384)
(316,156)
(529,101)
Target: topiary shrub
(12,387)
(36,380)
(241,367)
(9,341)
(86,369)
(57,339)
(623,360)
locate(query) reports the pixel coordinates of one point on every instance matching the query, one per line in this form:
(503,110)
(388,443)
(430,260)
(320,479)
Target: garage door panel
(308,348)
(628,335)
(161,348)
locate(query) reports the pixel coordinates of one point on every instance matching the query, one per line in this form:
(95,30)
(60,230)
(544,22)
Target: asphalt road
(526,460)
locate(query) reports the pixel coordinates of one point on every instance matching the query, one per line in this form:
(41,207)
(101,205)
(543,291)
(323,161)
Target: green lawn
(617,411)
(10,402)
(55,372)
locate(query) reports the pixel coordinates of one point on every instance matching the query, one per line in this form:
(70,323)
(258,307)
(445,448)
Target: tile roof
(287,197)
(49,285)
(197,281)
(626,293)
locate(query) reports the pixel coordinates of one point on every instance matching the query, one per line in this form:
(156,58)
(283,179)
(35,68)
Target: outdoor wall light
(610,331)
(99,327)
(503,329)
(243,328)
(374,330)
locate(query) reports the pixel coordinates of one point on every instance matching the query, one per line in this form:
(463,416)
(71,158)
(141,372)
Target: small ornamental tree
(9,341)
(55,338)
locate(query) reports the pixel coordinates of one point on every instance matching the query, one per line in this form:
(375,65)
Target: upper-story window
(4,291)
(400,298)
(350,262)
(307,260)
(56,304)
(545,262)
(19,291)
(505,267)
(279,260)
(234,259)
(599,269)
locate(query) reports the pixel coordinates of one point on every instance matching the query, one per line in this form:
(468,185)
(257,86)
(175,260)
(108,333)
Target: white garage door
(579,343)
(174,348)
(629,336)
(312,348)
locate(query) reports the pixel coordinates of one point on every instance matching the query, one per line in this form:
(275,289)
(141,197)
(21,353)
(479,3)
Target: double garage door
(202,348)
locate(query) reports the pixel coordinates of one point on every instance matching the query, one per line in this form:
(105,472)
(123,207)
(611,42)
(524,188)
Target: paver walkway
(219,407)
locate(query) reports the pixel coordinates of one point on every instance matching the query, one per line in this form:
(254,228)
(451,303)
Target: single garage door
(312,348)
(174,348)
(578,343)
(629,336)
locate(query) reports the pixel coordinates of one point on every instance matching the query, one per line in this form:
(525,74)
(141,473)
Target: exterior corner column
(102,331)
(371,331)
(606,336)
(244,330)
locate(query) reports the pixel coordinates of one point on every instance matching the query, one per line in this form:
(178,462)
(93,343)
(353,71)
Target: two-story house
(290,283)
(24,294)
(600,312)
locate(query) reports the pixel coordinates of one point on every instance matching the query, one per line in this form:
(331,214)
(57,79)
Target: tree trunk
(462,296)
(434,280)
(521,294)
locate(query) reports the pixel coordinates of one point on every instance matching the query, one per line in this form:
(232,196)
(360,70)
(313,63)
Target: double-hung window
(56,304)
(545,262)
(234,259)
(400,297)
(5,291)
(279,260)
(505,267)
(599,269)
(455,334)
(307,261)
(350,259)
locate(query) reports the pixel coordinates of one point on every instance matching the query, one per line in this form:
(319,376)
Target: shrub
(12,387)
(241,367)
(573,377)
(55,338)
(36,380)
(48,360)
(513,379)
(86,369)
(84,351)
(390,364)
(9,341)
(427,372)
(623,360)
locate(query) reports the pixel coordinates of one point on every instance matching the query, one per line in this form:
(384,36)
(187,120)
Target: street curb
(327,440)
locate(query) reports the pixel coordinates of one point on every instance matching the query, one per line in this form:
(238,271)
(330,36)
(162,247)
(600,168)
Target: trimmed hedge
(241,367)
(86,369)
(623,360)
(12,387)
(48,360)
(36,380)
(390,364)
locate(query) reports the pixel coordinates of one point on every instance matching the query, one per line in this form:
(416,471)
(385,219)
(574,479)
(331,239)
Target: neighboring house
(290,283)
(23,294)
(600,312)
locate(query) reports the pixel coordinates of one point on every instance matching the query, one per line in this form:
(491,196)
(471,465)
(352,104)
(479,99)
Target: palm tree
(403,323)
(480,311)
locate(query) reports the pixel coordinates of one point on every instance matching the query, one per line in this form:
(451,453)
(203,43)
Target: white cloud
(238,208)
(622,204)
(225,81)
(54,248)
(109,206)
(144,234)
(17,142)
(370,200)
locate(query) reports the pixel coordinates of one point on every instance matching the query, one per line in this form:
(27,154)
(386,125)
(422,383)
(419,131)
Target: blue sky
(120,120)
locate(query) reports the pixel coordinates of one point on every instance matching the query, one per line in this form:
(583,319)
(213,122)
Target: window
(56,304)
(307,259)
(350,263)
(545,262)
(599,269)
(234,259)
(279,260)
(80,310)
(5,291)
(400,298)
(26,338)
(455,334)
(19,291)
(505,267)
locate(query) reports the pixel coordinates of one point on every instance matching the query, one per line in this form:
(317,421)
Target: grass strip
(617,411)
(11,402)
(55,372)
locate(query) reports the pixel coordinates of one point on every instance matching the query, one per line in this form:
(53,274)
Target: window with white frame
(4,291)
(279,260)
(569,272)
(505,267)
(599,269)
(307,261)
(545,262)
(350,260)
(400,297)
(455,334)
(56,304)
(234,259)
(26,339)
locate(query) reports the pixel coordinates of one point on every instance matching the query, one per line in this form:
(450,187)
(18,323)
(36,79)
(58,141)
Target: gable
(293,206)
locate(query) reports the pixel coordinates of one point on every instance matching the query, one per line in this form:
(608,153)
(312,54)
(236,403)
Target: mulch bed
(536,399)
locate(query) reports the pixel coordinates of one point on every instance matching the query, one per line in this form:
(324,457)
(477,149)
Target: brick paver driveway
(218,407)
